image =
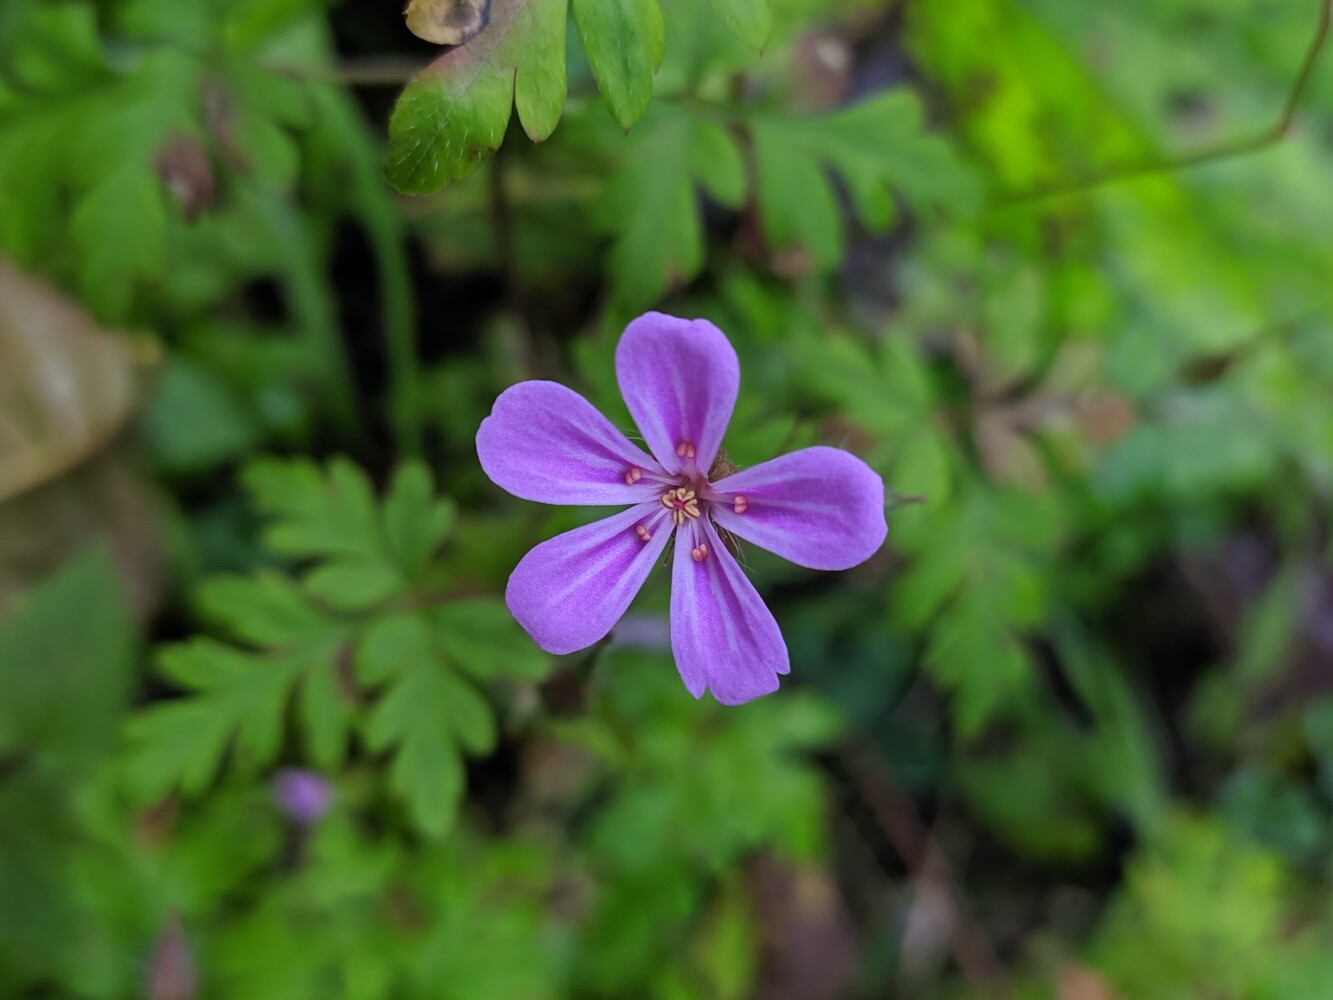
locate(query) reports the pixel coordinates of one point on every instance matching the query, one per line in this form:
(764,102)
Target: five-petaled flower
(819,507)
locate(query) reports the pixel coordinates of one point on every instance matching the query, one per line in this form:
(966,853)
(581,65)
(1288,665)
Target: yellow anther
(682,503)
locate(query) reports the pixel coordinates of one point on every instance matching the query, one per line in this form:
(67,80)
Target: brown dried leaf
(447,22)
(67,389)
(104,499)
(66,385)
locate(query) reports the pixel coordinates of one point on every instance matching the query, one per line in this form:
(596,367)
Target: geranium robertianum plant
(819,507)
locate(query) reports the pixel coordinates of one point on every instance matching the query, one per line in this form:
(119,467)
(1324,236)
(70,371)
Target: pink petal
(570,590)
(723,636)
(545,442)
(680,378)
(822,508)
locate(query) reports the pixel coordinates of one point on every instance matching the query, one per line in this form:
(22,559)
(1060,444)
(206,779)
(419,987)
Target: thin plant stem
(502,218)
(903,827)
(377,72)
(310,298)
(1229,149)
(384,229)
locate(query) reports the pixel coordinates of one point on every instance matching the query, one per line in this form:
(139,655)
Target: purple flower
(820,507)
(303,795)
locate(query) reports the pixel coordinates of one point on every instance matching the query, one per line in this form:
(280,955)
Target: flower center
(682,502)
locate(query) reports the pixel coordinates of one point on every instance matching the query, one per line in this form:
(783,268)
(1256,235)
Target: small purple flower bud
(303,795)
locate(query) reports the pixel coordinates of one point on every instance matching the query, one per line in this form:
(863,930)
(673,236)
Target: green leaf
(470,716)
(796,203)
(976,583)
(454,114)
(362,553)
(265,147)
(937,571)
(326,714)
(877,147)
(624,41)
(369,553)
(749,20)
(389,645)
(319,516)
(66,652)
(127,204)
(747,783)
(414,522)
(922,467)
(265,610)
(728,944)
(885,390)
(78,152)
(238,696)
(354,584)
(973,652)
(428,713)
(62,46)
(481,636)
(427,770)
(194,421)
(236,701)
(651,202)
(715,162)
(1026,799)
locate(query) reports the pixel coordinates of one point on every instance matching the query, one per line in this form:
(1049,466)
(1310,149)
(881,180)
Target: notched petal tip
(723,636)
(740,696)
(821,507)
(569,591)
(680,378)
(545,442)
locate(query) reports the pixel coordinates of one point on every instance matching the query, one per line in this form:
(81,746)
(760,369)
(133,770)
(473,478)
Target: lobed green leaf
(415,523)
(652,206)
(877,147)
(749,20)
(624,41)
(454,114)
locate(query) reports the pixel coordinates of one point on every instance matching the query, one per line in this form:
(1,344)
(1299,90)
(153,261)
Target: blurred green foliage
(1070,736)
